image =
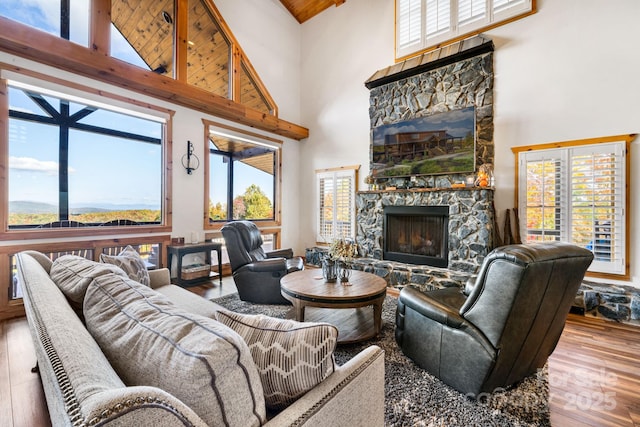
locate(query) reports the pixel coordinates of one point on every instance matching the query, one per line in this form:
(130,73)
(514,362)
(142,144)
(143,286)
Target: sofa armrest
(137,406)
(353,395)
(159,277)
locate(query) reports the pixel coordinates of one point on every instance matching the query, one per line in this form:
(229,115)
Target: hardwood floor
(594,373)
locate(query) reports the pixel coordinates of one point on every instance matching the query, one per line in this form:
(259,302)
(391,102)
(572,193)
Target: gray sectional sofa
(90,331)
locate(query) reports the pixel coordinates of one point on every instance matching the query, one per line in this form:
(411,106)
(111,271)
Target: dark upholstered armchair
(257,273)
(499,330)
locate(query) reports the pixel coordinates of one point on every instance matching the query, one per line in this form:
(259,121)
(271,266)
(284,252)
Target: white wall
(341,48)
(567,72)
(270,38)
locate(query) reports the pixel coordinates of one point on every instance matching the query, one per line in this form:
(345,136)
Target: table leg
(298,307)
(219,252)
(377,314)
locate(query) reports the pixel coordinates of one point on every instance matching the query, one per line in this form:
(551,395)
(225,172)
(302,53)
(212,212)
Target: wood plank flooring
(594,373)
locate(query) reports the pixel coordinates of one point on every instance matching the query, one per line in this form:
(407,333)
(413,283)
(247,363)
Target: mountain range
(28,207)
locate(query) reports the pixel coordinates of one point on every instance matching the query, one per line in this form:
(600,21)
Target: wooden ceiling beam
(39,46)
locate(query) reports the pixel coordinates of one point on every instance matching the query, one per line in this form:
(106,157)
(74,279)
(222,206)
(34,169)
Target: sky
(98,174)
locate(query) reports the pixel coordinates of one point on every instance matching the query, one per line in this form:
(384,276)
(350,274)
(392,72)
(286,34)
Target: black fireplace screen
(417,234)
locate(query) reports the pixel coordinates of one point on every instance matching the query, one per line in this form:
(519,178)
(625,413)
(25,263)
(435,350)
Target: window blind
(471,10)
(409,14)
(336,204)
(421,24)
(438,17)
(577,194)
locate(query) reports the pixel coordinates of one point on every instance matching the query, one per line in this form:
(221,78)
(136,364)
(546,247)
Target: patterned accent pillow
(292,357)
(151,342)
(73,274)
(130,261)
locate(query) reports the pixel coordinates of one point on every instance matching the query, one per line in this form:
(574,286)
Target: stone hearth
(470,222)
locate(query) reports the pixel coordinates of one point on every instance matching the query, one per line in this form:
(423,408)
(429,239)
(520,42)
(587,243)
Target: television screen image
(442,143)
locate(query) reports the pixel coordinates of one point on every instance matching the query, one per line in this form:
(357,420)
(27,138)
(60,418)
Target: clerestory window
(424,24)
(577,192)
(185,40)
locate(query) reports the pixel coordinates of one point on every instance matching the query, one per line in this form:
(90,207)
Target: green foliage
(252,204)
(258,205)
(217,211)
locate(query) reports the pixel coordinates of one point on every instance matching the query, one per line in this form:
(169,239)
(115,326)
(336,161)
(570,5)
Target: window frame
(564,153)
(259,139)
(98,97)
(333,173)
(455,31)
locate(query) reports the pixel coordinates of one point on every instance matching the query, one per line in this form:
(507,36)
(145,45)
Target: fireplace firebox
(416,235)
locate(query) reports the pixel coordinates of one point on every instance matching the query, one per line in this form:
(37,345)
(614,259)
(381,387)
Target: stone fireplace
(469,223)
(416,234)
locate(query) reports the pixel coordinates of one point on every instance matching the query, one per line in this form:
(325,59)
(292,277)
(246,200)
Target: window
(421,24)
(336,192)
(62,149)
(243,176)
(577,193)
(46,16)
(152,36)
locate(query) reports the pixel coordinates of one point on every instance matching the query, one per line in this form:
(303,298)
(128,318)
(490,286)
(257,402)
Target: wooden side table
(181,250)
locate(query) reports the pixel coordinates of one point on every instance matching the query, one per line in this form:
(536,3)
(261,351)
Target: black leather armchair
(257,273)
(507,325)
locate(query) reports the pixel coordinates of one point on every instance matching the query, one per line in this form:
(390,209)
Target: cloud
(30,164)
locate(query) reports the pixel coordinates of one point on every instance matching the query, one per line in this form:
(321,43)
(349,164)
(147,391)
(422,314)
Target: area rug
(414,397)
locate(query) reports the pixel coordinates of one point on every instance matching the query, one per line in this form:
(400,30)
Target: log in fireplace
(416,235)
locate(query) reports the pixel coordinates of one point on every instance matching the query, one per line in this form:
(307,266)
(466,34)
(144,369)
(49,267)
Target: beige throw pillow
(151,342)
(73,274)
(130,261)
(292,357)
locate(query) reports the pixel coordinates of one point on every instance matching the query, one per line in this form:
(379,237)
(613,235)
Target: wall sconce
(190,161)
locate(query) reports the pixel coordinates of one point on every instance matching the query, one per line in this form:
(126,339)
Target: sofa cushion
(149,341)
(292,357)
(130,261)
(73,274)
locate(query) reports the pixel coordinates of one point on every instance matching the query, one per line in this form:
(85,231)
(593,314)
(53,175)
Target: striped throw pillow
(292,357)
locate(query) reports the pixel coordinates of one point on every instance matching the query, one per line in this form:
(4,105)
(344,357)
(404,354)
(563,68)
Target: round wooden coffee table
(307,288)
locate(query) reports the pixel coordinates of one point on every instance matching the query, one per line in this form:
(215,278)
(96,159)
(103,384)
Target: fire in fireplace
(416,235)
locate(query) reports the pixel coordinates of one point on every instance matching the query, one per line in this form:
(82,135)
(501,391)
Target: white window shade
(577,194)
(410,14)
(598,203)
(336,204)
(421,24)
(438,17)
(471,11)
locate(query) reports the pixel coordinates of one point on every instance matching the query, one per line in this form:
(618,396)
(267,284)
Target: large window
(242,177)
(336,212)
(577,192)
(76,162)
(421,24)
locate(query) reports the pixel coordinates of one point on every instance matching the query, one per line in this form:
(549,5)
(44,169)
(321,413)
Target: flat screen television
(442,143)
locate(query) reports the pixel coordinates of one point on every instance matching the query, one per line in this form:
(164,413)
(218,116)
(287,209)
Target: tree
(217,212)
(239,208)
(258,205)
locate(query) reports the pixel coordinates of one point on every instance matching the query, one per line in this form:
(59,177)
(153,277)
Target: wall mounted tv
(442,143)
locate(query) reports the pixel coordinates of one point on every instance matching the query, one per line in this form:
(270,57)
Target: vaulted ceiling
(303,10)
